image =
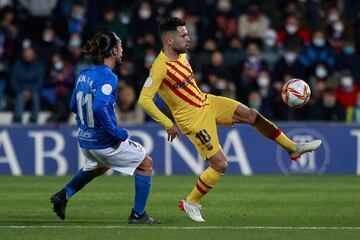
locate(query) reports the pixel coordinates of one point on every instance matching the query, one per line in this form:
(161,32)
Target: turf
(258,207)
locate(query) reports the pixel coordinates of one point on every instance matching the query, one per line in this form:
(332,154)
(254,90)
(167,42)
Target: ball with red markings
(295,93)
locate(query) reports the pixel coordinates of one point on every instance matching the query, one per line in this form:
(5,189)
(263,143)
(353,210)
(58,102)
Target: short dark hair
(170,24)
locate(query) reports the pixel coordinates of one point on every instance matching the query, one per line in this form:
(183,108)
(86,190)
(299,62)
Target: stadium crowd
(243,49)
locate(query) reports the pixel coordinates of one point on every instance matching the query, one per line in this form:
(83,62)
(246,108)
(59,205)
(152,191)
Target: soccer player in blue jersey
(102,142)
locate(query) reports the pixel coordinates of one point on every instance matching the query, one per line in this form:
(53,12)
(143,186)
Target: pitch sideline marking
(174,227)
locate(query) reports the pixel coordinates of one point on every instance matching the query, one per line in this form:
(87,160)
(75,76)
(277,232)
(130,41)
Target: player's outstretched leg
(143,179)
(268,129)
(60,199)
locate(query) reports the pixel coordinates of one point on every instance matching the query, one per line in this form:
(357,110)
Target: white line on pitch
(174,227)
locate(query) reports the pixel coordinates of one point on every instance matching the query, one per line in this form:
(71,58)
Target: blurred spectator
(293,34)
(271,51)
(203,57)
(347,90)
(225,19)
(328,108)
(62,79)
(74,48)
(111,22)
(7,49)
(252,65)
(313,10)
(26,79)
(265,88)
(77,18)
(216,76)
(318,51)
(48,46)
(235,54)
(347,59)
(143,23)
(256,102)
(253,24)
(289,65)
(128,112)
(321,79)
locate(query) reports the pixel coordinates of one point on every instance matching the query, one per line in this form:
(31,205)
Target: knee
(220,166)
(146,165)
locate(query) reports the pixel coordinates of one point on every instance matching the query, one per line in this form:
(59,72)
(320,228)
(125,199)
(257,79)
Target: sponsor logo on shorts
(310,163)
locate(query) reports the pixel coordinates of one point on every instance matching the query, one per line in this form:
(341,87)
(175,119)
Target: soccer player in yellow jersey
(197,114)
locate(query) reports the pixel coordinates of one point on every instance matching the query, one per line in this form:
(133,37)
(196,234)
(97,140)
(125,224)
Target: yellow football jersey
(175,82)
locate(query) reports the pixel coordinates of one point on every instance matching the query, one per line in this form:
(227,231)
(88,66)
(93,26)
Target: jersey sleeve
(150,88)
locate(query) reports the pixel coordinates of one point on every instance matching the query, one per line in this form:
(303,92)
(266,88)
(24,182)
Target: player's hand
(173,132)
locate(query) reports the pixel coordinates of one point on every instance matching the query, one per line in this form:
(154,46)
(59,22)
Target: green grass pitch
(258,207)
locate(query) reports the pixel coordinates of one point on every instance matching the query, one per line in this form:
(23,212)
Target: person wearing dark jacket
(26,80)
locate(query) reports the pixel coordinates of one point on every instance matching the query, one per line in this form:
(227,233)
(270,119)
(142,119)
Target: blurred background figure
(128,111)
(62,83)
(328,108)
(26,80)
(253,24)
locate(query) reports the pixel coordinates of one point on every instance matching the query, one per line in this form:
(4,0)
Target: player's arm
(150,88)
(101,112)
(73,103)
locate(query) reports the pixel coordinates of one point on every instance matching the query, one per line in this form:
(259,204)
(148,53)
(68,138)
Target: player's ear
(115,51)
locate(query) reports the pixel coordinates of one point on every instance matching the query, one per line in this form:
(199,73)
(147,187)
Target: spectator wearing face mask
(271,51)
(320,79)
(289,65)
(264,85)
(327,108)
(253,64)
(143,22)
(293,34)
(48,45)
(318,51)
(347,91)
(62,79)
(74,48)
(336,26)
(347,58)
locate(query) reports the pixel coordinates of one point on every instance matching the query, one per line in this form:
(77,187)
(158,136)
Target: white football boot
(192,210)
(302,148)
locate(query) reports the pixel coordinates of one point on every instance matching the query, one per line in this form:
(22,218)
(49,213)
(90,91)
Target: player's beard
(180,50)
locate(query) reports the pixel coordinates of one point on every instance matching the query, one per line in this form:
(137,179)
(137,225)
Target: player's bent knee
(146,165)
(219,166)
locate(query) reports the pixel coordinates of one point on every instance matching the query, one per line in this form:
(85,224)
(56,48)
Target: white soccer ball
(295,93)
